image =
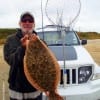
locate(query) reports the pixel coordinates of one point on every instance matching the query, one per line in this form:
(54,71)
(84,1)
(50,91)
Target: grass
(4,69)
(83,35)
(94,48)
(89,35)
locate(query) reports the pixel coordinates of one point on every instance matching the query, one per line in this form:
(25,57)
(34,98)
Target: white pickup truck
(80,75)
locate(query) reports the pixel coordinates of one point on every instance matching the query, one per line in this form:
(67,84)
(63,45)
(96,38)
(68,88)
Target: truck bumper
(87,91)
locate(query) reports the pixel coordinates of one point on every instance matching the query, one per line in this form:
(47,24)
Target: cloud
(6,7)
(89,18)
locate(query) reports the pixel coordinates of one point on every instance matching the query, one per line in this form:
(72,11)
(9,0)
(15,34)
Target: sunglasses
(24,20)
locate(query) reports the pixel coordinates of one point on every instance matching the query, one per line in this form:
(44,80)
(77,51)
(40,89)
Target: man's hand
(33,36)
(47,93)
(27,38)
(24,40)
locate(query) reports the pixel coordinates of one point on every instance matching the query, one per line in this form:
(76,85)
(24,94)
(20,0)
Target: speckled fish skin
(41,68)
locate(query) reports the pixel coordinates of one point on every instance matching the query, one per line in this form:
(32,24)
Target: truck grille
(72,76)
(76,75)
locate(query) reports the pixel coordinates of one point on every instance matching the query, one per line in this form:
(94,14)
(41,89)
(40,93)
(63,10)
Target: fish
(41,68)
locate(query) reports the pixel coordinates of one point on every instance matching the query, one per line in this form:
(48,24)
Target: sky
(88,19)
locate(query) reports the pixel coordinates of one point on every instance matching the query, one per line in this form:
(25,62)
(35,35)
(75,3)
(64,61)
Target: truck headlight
(96,76)
(84,74)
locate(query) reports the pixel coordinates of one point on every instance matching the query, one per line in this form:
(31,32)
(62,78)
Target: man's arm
(13,52)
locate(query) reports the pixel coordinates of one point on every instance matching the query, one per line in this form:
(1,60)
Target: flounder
(41,68)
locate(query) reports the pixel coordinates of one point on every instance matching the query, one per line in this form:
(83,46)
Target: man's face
(27,24)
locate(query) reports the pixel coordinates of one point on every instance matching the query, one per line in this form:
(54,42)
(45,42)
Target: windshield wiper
(61,44)
(55,44)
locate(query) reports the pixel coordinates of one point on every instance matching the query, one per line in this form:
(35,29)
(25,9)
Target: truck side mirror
(84,41)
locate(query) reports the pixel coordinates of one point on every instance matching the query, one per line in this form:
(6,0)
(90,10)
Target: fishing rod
(76,14)
(47,13)
(42,18)
(63,30)
(60,28)
(63,33)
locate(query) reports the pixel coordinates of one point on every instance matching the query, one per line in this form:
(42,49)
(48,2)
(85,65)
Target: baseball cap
(27,15)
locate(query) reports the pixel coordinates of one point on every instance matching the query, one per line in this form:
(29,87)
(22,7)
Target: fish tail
(55,96)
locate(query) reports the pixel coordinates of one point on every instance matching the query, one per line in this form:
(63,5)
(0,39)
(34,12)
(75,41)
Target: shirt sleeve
(13,52)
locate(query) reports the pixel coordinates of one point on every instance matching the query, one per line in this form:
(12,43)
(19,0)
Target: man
(14,51)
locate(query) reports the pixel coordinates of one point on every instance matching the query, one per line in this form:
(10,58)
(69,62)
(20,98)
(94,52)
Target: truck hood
(72,54)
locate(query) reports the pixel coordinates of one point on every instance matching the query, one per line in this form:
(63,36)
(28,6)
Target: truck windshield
(58,38)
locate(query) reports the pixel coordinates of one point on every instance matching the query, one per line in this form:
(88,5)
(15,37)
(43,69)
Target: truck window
(57,38)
